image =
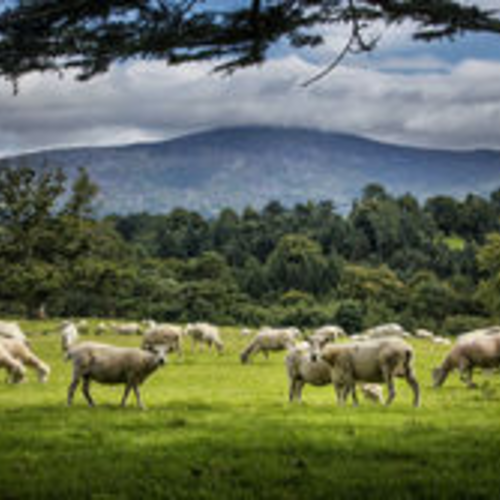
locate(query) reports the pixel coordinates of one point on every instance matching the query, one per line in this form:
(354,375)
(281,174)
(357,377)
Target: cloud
(436,105)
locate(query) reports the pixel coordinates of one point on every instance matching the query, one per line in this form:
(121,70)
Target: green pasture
(215,429)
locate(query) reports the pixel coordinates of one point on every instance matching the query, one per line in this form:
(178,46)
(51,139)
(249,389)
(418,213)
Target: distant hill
(244,166)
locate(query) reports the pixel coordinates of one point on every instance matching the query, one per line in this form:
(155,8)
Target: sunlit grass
(217,429)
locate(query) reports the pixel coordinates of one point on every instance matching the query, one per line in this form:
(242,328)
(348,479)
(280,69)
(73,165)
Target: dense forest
(434,264)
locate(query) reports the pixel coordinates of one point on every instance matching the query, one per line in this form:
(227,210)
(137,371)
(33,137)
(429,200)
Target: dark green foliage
(387,260)
(54,35)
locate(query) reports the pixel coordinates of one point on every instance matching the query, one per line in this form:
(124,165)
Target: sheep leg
(466,377)
(352,390)
(339,391)
(390,386)
(128,388)
(72,388)
(291,391)
(86,391)
(138,397)
(413,383)
(299,385)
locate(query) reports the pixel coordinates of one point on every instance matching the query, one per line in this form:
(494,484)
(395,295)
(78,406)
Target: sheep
(387,330)
(326,334)
(108,364)
(169,336)
(203,333)
(101,328)
(128,329)
(10,329)
(424,334)
(440,341)
(15,369)
(246,332)
(267,340)
(304,367)
(373,361)
(480,332)
(20,351)
(69,335)
(482,351)
(373,393)
(83,326)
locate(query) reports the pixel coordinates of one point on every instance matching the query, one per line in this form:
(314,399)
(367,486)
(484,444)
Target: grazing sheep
(128,329)
(69,335)
(372,361)
(20,351)
(108,364)
(424,334)
(387,330)
(440,341)
(304,367)
(373,393)
(101,328)
(326,334)
(166,335)
(15,369)
(83,326)
(482,351)
(480,332)
(269,340)
(11,330)
(203,333)
(246,332)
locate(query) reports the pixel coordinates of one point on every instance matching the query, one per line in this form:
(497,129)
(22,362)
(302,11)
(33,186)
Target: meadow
(215,429)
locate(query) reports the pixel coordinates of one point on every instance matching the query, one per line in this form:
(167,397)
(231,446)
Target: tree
(57,35)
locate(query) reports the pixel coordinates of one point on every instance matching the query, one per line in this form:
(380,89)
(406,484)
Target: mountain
(243,166)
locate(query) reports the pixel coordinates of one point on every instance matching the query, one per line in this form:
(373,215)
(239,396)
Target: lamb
(15,369)
(373,393)
(373,361)
(269,340)
(482,351)
(108,364)
(387,330)
(10,329)
(203,333)
(169,336)
(326,334)
(20,351)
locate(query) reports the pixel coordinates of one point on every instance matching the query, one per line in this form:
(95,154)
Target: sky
(442,95)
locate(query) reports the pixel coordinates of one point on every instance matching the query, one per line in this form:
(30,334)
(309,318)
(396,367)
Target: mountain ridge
(240,166)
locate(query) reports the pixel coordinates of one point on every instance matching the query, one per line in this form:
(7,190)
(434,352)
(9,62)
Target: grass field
(215,429)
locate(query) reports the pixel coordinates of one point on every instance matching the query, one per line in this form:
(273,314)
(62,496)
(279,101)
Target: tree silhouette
(89,36)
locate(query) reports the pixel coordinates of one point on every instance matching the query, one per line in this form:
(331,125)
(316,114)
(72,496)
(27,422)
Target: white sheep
(326,334)
(108,364)
(373,393)
(166,335)
(101,328)
(204,333)
(12,330)
(14,368)
(269,340)
(480,332)
(424,334)
(304,367)
(69,335)
(387,330)
(373,361)
(20,351)
(128,328)
(481,351)
(246,332)
(440,340)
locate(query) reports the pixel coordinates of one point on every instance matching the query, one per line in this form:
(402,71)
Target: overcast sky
(444,95)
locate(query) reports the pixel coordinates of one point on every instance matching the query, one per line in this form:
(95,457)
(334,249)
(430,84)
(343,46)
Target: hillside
(252,165)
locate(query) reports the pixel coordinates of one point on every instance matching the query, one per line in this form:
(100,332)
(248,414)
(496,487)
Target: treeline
(434,265)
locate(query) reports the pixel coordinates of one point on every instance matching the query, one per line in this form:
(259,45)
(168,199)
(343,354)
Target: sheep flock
(327,357)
